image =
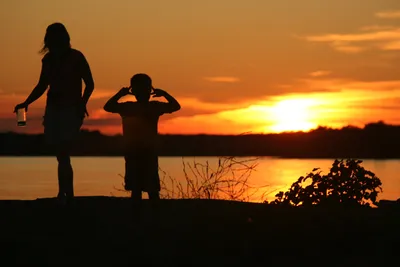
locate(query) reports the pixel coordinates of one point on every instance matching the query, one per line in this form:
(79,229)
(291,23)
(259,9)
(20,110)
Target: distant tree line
(374,140)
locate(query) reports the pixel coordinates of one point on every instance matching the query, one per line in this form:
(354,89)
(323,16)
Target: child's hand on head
(158,92)
(125,91)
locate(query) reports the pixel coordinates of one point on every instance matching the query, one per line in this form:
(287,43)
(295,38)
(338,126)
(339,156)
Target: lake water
(36,177)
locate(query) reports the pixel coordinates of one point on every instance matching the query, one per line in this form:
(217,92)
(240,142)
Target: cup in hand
(21,117)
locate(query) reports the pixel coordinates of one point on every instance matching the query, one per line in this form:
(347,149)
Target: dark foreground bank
(98,231)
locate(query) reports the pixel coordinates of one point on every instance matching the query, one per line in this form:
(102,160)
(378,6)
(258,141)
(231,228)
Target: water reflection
(33,177)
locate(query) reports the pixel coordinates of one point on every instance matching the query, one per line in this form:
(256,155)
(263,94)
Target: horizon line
(379,122)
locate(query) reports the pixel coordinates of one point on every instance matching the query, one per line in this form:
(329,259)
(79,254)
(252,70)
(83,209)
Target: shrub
(347,183)
(227,180)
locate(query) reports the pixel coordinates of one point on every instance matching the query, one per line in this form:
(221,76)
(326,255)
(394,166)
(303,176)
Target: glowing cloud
(382,37)
(357,37)
(103,93)
(358,42)
(376,28)
(394,14)
(392,46)
(319,73)
(222,79)
(349,49)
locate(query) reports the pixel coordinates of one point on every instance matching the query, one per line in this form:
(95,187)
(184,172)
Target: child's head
(141,87)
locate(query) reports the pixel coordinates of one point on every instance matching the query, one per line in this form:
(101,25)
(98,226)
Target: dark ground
(98,231)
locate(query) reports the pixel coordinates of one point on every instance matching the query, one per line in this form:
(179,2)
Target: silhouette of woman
(63,69)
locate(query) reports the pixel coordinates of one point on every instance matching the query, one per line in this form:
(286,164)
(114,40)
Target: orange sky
(235,66)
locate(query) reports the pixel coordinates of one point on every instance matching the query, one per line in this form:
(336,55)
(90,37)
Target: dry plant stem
(227,180)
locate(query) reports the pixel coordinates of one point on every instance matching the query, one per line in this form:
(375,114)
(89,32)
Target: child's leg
(136,195)
(136,198)
(154,181)
(154,198)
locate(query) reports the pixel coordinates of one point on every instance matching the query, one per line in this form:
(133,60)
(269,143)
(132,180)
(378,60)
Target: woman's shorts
(62,124)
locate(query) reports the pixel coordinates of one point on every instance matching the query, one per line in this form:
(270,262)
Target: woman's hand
(20,106)
(83,111)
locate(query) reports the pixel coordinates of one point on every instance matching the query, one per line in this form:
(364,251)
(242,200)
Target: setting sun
(292,115)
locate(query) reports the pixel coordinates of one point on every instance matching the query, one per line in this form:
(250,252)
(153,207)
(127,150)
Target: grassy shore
(99,231)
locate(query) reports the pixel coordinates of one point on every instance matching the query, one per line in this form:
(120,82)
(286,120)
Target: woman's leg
(65,171)
(136,198)
(61,127)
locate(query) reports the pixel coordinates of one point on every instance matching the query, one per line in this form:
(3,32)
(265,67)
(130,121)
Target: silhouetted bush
(347,183)
(227,179)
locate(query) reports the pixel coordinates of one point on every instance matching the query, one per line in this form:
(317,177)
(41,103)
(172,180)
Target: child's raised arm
(112,104)
(172,105)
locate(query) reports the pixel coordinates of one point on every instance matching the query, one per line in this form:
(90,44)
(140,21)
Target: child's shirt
(140,123)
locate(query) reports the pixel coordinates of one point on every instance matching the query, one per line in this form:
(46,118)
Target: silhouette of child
(140,133)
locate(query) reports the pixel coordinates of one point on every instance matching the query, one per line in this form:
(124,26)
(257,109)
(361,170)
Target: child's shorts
(141,171)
